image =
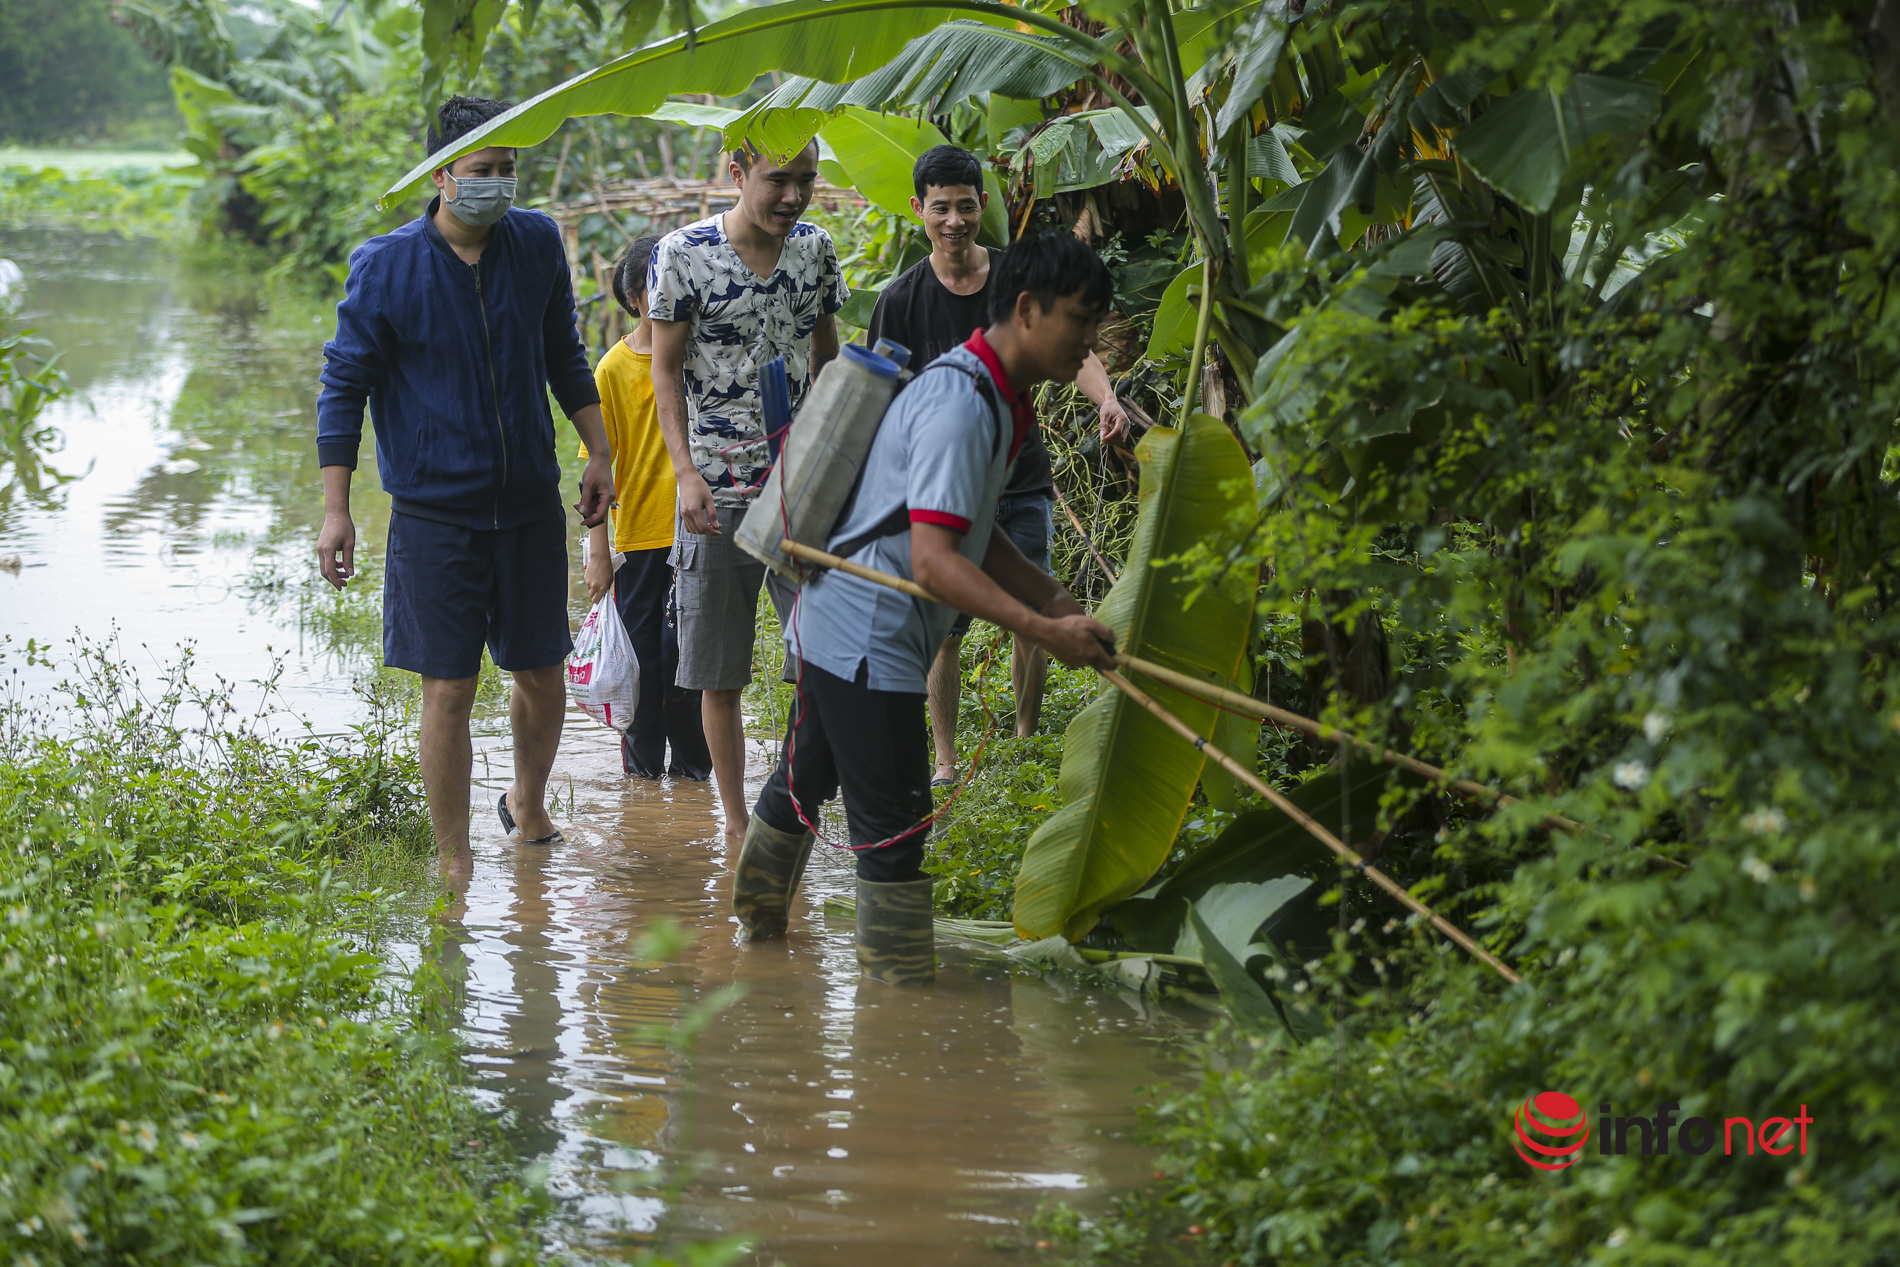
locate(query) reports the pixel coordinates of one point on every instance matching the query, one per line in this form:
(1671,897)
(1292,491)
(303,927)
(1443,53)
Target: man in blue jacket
(453,329)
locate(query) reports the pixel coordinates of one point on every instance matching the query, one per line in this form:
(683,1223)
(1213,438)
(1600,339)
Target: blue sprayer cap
(892,350)
(865,359)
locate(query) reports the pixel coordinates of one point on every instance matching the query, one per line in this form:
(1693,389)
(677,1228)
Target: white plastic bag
(603,674)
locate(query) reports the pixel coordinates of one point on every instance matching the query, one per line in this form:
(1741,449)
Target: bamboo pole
(1214,754)
(1328,734)
(1306,820)
(812,555)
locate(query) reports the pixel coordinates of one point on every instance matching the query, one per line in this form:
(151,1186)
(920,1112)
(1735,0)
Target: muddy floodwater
(717,1089)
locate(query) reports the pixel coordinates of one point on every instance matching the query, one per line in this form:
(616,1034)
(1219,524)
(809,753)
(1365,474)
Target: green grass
(202,1058)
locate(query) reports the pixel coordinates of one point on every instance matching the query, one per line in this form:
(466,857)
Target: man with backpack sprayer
(932,307)
(924,509)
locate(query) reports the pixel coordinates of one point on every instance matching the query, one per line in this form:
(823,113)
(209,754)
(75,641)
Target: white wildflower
(1617,1238)
(1655,726)
(1767,821)
(1631,775)
(1760,871)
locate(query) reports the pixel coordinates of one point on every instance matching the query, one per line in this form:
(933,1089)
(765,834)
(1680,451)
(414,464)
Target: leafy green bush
(1633,561)
(202,1057)
(316,182)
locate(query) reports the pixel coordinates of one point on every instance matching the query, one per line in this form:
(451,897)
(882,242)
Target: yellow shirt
(643,474)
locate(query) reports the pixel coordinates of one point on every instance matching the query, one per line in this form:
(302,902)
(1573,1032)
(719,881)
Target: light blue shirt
(941,455)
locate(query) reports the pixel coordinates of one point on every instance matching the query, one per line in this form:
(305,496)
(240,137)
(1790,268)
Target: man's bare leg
(724,725)
(537,708)
(1028,670)
(945,684)
(446,761)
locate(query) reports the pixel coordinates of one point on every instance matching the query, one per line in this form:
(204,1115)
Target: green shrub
(202,1058)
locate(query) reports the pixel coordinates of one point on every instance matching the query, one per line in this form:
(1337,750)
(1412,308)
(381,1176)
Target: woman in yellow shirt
(635,566)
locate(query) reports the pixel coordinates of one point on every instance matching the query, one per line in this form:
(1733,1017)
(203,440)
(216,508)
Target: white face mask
(481,200)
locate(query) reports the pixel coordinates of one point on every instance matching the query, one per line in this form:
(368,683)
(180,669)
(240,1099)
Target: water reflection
(192,417)
(838,1123)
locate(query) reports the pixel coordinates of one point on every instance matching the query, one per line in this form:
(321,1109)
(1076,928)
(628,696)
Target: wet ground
(714,1089)
(837,1122)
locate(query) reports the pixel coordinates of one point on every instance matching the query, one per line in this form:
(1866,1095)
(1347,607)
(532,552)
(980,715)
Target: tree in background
(69,72)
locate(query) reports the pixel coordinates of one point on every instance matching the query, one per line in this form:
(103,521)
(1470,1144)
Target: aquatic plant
(29,382)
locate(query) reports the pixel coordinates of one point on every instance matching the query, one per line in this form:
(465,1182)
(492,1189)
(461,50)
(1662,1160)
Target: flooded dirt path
(834,1122)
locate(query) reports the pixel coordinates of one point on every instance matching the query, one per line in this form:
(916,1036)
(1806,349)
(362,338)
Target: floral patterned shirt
(739,322)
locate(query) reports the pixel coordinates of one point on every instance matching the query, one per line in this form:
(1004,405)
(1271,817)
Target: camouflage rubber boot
(896,941)
(770,865)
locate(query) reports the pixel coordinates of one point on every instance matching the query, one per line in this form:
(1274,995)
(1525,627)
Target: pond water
(827,1121)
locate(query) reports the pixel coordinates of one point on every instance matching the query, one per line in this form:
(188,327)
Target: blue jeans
(1030,521)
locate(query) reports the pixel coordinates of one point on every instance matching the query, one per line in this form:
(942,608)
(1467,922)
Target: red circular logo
(1555,1115)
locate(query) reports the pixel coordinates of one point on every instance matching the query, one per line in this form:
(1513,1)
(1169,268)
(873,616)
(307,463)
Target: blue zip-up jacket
(455,363)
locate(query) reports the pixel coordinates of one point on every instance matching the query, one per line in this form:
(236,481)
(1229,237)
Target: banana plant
(897,54)
(1126,781)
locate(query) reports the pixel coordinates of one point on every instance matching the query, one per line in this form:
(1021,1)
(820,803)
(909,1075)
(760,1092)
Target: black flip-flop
(508,825)
(948,780)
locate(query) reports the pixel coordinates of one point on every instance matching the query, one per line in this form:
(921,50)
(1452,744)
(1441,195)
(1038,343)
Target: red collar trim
(1022,412)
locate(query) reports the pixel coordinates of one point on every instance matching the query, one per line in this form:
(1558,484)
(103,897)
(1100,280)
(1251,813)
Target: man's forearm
(592,429)
(1007,590)
(1092,378)
(1022,580)
(669,401)
(824,345)
(336,489)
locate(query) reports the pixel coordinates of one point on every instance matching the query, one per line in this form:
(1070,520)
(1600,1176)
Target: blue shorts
(447,590)
(1030,521)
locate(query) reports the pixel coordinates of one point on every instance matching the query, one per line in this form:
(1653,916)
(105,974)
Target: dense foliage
(1613,498)
(201,1056)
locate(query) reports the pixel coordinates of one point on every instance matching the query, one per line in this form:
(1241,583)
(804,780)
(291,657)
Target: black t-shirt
(916,311)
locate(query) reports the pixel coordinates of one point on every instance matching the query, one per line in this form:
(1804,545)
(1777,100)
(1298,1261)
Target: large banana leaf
(958,62)
(1523,145)
(1126,779)
(832,40)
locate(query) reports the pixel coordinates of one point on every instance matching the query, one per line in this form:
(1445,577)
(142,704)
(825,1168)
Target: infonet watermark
(1553,1129)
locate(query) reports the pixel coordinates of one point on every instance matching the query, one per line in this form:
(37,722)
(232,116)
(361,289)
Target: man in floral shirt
(728,294)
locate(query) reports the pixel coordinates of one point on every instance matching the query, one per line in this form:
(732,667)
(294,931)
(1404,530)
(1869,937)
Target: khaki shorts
(718,587)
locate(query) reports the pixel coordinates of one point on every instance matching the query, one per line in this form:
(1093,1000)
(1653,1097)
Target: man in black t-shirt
(932,307)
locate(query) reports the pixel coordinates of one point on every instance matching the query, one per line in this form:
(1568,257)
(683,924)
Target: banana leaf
(1247,1000)
(1126,779)
(831,40)
(1523,145)
(1235,914)
(1237,735)
(1260,845)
